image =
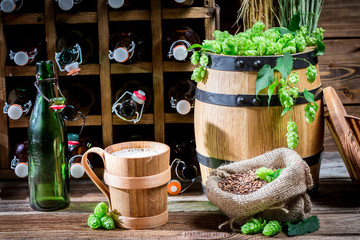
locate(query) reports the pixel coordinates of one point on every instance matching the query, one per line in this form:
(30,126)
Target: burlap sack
(284,199)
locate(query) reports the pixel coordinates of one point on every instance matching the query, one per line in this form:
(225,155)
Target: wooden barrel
(232,125)
(137,185)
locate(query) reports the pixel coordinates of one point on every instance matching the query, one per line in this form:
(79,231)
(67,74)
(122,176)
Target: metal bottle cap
(180,53)
(21,170)
(21,58)
(8,6)
(116,3)
(77,170)
(121,54)
(66,5)
(15,111)
(183,107)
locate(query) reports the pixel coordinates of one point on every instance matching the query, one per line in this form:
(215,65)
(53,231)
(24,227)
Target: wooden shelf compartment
(147,118)
(187,13)
(172,66)
(76,18)
(86,69)
(129,15)
(91,120)
(24,19)
(178,118)
(137,67)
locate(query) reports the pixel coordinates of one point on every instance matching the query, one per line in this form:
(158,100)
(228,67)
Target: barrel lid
(345,129)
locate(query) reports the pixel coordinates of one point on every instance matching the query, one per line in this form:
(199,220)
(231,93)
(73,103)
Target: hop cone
(100,210)
(107,222)
(94,222)
(272,228)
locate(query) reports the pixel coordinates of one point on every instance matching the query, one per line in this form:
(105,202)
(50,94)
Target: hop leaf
(107,222)
(195,57)
(308,225)
(94,222)
(272,228)
(311,73)
(100,210)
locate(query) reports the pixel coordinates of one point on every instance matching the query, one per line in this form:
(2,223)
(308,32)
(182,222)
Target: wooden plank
(20,71)
(86,69)
(129,15)
(50,30)
(24,19)
(339,51)
(340,18)
(91,120)
(147,118)
(4,138)
(157,59)
(209,23)
(188,13)
(105,79)
(178,118)
(76,18)
(137,67)
(172,66)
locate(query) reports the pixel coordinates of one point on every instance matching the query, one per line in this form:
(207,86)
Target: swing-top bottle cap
(116,3)
(15,112)
(183,107)
(180,52)
(179,1)
(72,68)
(66,5)
(77,170)
(21,58)
(174,187)
(139,96)
(8,6)
(121,54)
(21,170)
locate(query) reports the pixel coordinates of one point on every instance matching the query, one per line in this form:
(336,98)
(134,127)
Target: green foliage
(272,228)
(204,60)
(268,174)
(271,90)
(295,22)
(253,226)
(311,73)
(307,225)
(100,210)
(264,78)
(94,222)
(310,112)
(284,65)
(294,78)
(107,222)
(195,58)
(292,135)
(198,74)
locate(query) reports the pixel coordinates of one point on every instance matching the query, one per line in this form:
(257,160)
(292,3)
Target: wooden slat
(91,120)
(4,138)
(76,18)
(147,118)
(138,67)
(209,23)
(17,71)
(178,118)
(50,30)
(129,15)
(340,51)
(24,19)
(157,59)
(105,80)
(340,18)
(86,69)
(172,66)
(187,13)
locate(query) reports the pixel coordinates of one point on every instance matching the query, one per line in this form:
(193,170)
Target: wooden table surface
(191,215)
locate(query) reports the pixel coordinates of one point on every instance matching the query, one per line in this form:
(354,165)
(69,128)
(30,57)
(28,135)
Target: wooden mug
(137,185)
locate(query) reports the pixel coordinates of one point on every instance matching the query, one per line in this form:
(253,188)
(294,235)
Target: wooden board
(76,18)
(24,19)
(188,13)
(130,15)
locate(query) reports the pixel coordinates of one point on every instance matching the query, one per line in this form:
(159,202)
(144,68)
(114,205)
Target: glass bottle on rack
(125,46)
(182,96)
(67,5)
(119,4)
(178,40)
(25,52)
(47,145)
(19,103)
(9,6)
(182,3)
(20,161)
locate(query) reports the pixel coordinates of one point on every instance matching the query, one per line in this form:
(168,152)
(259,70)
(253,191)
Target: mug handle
(91,173)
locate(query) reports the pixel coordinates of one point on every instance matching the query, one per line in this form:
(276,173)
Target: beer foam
(136,152)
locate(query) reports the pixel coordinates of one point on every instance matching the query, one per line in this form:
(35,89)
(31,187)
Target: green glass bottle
(47,146)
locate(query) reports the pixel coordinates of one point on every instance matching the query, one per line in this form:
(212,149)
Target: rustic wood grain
(340,18)
(129,15)
(76,18)
(105,79)
(24,19)
(147,118)
(86,69)
(178,118)
(4,137)
(209,23)
(50,31)
(342,50)
(188,13)
(157,60)
(172,66)
(137,67)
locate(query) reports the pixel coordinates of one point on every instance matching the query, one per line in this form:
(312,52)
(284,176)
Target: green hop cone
(310,40)
(272,228)
(294,92)
(107,222)
(253,226)
(263,172)
(292,135)
(257,28)
(100,210)
(215,44)
(300,43)
(310,112)
(289,49)
(311,73)
(195,57)
(198,74)
(221,36)
(294,78)
(94,222)
(204,60)
(320,32)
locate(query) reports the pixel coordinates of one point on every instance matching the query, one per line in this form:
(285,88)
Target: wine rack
(51,18)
